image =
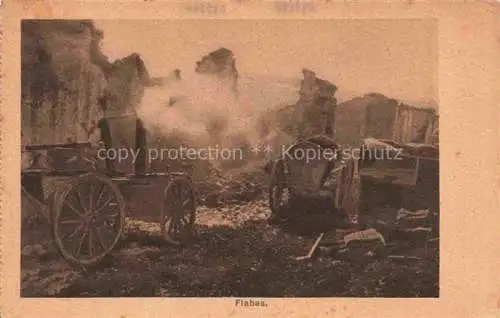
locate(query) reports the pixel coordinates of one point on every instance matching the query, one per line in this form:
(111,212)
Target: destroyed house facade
(376,116)
(68,85)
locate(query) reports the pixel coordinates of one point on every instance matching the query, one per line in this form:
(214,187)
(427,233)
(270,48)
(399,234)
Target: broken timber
(312,250)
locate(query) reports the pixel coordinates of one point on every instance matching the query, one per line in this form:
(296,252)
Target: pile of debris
(233,187)
(391,239)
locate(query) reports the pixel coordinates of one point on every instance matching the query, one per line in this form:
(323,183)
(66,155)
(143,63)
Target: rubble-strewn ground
(236,253)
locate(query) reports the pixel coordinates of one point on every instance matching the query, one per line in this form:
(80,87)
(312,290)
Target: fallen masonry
(389,236)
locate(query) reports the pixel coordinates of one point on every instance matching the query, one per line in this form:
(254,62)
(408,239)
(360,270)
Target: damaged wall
(369,115)
(375,115)
(414,124)
(127,78)
(222,64)
(312,114)
(315,109)
(67,82)
(61,85)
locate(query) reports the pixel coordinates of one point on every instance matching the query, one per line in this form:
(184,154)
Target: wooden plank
(402,177)
(421,157)
(381,173)
(312,250)
(396,127)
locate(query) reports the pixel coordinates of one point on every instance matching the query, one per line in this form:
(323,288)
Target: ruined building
(220,63)
(61,85)
(315,109)
(377,116)
(313,113)
(68,84)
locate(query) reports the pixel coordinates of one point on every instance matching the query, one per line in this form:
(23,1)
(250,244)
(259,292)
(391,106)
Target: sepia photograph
(229,158)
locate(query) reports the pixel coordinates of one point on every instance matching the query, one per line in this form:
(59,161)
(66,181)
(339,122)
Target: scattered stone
(419,229)
(366,235)
(36,250)
(412,215)
(404,257)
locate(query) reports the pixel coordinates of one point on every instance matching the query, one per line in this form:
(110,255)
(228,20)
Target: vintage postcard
(288,158)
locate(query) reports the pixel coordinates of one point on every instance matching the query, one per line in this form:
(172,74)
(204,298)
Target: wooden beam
(312,250)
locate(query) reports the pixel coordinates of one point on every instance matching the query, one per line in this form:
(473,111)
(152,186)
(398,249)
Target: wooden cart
(402,164)
(82,196)
(408,171)
(321,180)
(339,181)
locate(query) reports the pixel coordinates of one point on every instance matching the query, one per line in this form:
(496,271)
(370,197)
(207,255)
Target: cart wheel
(279,193)
(88,218)
(178,213)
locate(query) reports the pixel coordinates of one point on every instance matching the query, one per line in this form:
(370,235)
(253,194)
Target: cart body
(312,174)
(407,172)
(87,192)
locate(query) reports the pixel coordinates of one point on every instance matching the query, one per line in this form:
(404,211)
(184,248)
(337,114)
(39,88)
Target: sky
(397,58)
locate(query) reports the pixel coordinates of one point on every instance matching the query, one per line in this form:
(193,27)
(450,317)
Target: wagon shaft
(39,190)
(55,146)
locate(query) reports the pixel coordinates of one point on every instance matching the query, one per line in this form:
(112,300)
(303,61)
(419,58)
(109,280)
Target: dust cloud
(206,111)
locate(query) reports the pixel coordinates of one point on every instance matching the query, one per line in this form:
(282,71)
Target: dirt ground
(237,253)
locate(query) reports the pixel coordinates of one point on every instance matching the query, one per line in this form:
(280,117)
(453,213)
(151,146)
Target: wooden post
(107,140)
(396,126)
(141,164)
(430,129)
(338,191)
(409,137)
(417,171)
(355,192)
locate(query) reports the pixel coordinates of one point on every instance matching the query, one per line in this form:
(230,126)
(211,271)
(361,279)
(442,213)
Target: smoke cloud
(204,109)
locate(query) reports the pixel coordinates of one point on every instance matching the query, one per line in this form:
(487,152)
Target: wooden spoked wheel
(178,213)
(88,216)
(279,192)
